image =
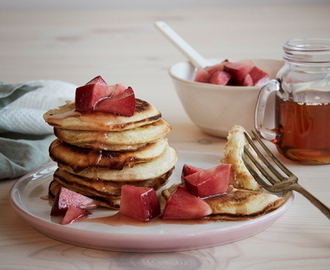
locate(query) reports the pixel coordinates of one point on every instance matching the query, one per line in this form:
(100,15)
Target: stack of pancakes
(98,152)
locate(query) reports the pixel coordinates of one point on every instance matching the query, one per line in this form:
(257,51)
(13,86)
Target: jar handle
(259,116)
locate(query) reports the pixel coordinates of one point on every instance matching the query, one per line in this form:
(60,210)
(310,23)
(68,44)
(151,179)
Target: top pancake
(67,117)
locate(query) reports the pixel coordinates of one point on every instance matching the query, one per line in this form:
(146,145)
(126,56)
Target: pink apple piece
(238,70)
(219,66)
(122,102)
(202,75)
(259,77)
(96,95)
(140,203)
(184,205)
(97,80)
(73,214)
(247,81)
(220,77)
(88,95)
(209,182)
(66,197)
(187,170)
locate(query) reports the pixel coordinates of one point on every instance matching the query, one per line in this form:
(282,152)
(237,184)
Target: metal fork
(271,178)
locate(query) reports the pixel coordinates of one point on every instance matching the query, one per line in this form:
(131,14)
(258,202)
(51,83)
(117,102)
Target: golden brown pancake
(115,140)
(110,202)
(82,158)
(66,117)
(104,191)
(139,172)
(233,153)
(239,204)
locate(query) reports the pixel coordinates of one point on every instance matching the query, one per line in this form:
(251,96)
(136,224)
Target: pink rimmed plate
(26,199)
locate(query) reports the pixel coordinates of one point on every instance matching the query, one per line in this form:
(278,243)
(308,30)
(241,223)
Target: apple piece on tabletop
(183,205)
(140,203)
(73,214)
(122,102)
(209,182)
(66,197)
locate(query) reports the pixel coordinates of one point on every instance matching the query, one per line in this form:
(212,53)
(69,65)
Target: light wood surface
(124,47)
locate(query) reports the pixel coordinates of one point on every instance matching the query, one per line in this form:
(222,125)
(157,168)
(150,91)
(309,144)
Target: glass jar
(302,102)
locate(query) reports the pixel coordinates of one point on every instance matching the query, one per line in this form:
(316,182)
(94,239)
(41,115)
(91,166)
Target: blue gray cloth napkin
(24,135)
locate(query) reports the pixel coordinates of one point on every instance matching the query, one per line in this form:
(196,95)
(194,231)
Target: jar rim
(307,50)
(308,44)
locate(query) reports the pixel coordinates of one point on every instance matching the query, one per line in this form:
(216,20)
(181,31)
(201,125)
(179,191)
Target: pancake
(115,140)
(139,172)
(81,158)
(104,191)
(233,153)
(106,188)
(239,204)
(99,152)
(66,117)
(110,202)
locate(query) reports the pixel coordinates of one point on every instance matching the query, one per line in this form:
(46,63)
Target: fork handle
(316,202)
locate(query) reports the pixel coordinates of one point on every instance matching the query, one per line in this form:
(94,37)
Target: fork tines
(261,163)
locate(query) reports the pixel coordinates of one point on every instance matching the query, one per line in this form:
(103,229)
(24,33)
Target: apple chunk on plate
(209,182)
(73,214)
(188,169)
(183,205)
(140,203)
(71,205)
(66,197)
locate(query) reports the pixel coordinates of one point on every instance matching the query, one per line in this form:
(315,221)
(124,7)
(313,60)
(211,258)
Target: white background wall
(157,4)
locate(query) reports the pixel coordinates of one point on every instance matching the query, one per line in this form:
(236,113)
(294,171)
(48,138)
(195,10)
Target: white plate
(26,199)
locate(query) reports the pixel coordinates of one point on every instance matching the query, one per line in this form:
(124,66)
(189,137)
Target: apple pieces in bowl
(215,109)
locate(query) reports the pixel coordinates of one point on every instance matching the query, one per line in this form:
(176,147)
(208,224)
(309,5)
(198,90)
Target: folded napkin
(24,135)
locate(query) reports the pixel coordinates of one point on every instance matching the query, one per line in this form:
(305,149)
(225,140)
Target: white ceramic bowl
(214,108)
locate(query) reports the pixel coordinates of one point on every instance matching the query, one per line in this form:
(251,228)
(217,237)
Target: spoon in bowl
(193,56)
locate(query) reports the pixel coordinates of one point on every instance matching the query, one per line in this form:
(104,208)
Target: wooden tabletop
(123,46)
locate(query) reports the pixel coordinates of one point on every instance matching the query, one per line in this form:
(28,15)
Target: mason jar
(301,130)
